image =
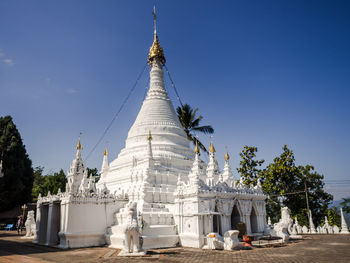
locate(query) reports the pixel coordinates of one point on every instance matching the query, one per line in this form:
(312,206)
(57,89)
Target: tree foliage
(191,124)
(45,183)
(333,216)
(284,183)
(16,184)
(345,204)
(249,168)
(94,173)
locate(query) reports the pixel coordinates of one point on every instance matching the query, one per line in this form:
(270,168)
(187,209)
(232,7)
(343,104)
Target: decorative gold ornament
(105,152)
(149,136)
(227,156)
(79,146)
(211,148)
(196,149)
(156,51)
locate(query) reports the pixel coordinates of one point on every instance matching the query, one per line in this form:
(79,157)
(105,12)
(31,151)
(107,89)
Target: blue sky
(262,73)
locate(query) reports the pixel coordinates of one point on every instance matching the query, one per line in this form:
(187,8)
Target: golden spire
(79,146)
(227,157)
(211,148)
(196,149)
(105,152)
(149,136)
(156,50)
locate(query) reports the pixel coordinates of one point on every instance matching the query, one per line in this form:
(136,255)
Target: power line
(173,85)
(117,114)
(291,193)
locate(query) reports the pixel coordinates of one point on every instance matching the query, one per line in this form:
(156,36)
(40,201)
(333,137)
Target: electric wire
(117,114)
(173,85)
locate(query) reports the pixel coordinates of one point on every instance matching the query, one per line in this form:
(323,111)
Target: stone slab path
(313,248)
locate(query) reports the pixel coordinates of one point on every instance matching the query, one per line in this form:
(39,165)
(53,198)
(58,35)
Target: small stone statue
(231,239)
(132,236)
(285,223)
(30,225)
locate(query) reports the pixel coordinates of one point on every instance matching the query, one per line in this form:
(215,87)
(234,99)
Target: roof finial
(105,152)
(79,146)
(156,50)
(155,19)
(211,146)
(149,136)
(196,149)
(227,156)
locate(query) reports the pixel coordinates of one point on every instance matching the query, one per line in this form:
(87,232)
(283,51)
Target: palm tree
(190,123)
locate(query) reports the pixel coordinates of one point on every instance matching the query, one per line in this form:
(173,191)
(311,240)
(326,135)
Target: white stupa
(157,183)
(171,152)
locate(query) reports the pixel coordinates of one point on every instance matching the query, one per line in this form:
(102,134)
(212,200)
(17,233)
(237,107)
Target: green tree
(191,124)
(16,184)
(45,183)
(284,183)
(333,216)
(319,199)
(345,204)
(249,167)
(38,184)
(94,173)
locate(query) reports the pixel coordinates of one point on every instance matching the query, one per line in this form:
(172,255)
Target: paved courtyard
(315,248)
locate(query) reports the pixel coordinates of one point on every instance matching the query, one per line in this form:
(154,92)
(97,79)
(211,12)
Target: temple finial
(196,149)
(154,19)
(156,51)
(227,156)
(149,136)
(79,146)
(105,152)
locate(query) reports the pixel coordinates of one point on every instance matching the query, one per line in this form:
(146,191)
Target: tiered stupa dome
(172,155)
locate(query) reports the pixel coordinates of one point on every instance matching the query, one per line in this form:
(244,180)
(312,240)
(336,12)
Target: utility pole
(307,200)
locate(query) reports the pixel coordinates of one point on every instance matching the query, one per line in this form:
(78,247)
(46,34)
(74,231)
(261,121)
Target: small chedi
(286,229)
(344,226)
(177,199)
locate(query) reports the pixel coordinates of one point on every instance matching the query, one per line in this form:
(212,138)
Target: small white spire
(227,173)
(311,224)
(105,165)
(344,226)
(213,168)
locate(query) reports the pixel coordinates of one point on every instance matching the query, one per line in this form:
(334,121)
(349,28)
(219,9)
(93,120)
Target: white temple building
(180,199)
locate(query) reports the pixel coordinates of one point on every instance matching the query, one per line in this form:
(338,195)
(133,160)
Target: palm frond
(207,129)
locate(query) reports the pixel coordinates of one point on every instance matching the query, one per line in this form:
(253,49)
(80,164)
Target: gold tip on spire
(211,148)
(105,152)
(196,149)
(156,50)
(79,146)
(149,136)
(227,156)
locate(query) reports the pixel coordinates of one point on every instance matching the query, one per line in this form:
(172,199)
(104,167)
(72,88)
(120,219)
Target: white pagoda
(180,199)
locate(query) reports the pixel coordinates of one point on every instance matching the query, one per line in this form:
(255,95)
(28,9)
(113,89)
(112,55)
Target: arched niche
(217,222)
(254,221)
(235,217)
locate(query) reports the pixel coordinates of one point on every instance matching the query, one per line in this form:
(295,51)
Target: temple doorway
(55,224)
(254,221)
(235,217)
(217,222)
(44,211)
